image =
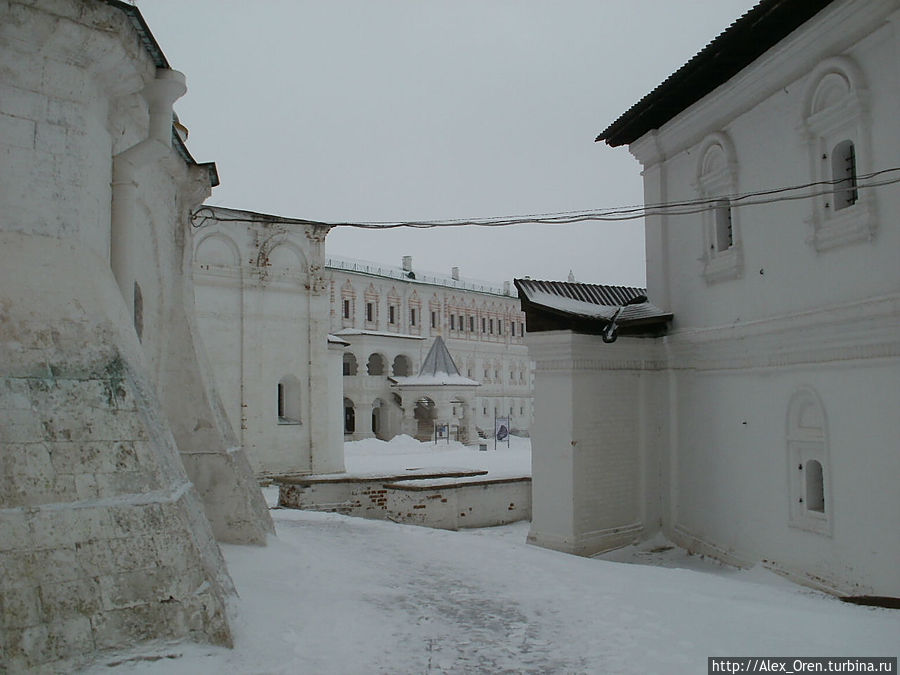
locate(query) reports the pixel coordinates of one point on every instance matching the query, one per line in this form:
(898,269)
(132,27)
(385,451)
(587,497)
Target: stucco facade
(762,427)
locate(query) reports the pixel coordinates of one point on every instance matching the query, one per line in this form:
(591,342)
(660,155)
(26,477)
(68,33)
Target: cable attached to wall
(620,213)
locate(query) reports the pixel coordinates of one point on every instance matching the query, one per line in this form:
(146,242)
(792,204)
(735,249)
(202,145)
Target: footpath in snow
(341,595)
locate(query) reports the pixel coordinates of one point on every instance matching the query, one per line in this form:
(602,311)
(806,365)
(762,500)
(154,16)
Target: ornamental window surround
(836,132)
(717,182)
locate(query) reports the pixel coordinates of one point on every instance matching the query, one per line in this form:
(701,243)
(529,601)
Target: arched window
(716,183)
(350,364)
(838,142)
(807,446)
(401,366)
(289,400)
(375,364)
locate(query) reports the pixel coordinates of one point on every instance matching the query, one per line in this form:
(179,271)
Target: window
(471,324)
(462,322)
(716,180)
(452,322)
(512,328)
(392,319)
(402,366)
(375,364)
(807,445)
(522,328)
(483,325)
(499,327)
(491,323)
(838,142)
(434,319)
(138,311)
(412,316)
(370,311)
(843,173)
(346,309)
(288,400)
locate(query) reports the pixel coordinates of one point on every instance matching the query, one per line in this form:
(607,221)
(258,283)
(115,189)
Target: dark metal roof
(737,47)
(588,308)
(610,296)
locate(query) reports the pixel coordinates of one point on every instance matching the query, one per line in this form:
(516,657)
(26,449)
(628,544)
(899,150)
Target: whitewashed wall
(262,308)
(809,305)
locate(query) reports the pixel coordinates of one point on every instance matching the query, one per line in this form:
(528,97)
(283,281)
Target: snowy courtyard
(333,594)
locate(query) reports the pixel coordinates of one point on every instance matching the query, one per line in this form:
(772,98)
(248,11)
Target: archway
(375,364)
(350,365)
(402,367)
(349,416)
(425,414)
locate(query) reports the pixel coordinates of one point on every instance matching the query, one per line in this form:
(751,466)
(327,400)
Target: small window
(349,417)
(370,311)
(346,309)
(499,327)
(512,328)
(412,316)
(138,311)
(521,411)
(289,400)
(392,319)
(462,322)
(843,173)
(434,319)
(724,233)
(815,487)
(491,322)
(471,324)
(452,322)
(483,325)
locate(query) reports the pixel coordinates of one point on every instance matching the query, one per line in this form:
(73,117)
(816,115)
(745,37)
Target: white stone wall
(261,306)
(806,301)
(111,439)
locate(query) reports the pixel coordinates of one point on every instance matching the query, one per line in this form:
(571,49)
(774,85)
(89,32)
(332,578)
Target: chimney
(454,272)
(407,263)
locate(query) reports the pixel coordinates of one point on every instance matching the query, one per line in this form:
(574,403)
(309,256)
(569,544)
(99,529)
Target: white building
(119,468)
(391,317)
(262,307)
(763,427)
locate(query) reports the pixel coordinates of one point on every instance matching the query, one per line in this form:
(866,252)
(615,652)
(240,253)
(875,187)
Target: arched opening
(349,417)
(289,400)
(350,365)
(815,487)
(425,414)
(379,426)
(402,367)
(375,364)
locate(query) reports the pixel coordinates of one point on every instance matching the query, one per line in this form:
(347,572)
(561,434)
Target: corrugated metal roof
(748,38)
(609,296)
(591,302)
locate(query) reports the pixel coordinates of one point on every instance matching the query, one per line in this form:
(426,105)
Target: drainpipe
(160,95)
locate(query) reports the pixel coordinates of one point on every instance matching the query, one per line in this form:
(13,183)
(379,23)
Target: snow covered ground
(333,594)
(404,452)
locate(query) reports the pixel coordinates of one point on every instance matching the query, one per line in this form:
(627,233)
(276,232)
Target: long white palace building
(391,316)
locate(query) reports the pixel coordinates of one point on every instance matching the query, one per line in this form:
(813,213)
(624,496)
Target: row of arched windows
(376,365)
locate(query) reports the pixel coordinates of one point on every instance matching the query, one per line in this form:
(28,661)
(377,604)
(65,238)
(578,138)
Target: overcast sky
(388,110)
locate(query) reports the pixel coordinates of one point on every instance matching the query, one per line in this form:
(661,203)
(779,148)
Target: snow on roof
(591,301)
(334,340)
(378,333)
(438,369)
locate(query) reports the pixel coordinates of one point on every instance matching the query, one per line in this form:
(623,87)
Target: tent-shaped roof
(438,369)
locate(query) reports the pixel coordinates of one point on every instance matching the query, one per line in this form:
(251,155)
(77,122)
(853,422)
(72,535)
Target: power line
(620,213)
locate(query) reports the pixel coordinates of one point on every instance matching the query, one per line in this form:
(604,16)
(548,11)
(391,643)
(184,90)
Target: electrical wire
(620,213)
